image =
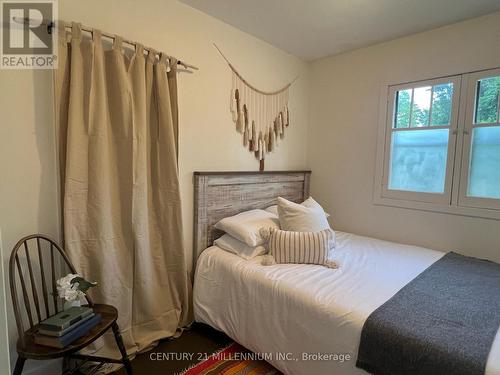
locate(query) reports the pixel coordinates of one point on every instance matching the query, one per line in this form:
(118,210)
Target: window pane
(441,104)
(418,160)
(487,100)
(421,106)
(484,174)
(403,106)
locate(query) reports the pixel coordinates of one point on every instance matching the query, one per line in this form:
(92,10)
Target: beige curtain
(116,119)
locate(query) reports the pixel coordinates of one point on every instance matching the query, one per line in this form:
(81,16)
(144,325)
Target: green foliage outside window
(487,100)
(439,115)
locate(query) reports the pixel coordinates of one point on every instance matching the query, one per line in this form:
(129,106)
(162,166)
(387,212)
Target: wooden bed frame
(221,194)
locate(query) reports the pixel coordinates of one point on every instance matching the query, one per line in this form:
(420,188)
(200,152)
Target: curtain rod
(50,26)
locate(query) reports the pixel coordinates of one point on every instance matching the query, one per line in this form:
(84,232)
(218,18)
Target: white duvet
(290,313)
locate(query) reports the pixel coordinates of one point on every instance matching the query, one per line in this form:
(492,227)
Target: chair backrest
(37,280)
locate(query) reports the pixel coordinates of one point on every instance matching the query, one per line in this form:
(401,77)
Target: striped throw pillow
(301,247)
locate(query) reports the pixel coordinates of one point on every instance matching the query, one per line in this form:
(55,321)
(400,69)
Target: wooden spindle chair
(39,301)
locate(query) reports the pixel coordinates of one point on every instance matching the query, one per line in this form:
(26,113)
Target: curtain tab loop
(152,55)
(163,59)
(118,43)
(61,29)
(139,49)
(76,30)
(96,35)
(173,64)
(63,35)
(165,62)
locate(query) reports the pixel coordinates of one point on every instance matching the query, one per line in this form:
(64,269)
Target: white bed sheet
(306,308)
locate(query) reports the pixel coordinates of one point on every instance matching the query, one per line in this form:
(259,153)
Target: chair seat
(31,350)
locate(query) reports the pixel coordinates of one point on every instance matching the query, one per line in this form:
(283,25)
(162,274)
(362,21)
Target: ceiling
(312,29)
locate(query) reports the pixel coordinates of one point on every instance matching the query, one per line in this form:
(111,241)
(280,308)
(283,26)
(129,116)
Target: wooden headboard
(221,194)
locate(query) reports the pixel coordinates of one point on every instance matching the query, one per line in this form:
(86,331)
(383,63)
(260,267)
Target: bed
(307,319)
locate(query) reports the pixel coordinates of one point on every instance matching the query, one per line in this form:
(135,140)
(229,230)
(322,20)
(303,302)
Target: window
(481,157)
(420,140)
(440,145)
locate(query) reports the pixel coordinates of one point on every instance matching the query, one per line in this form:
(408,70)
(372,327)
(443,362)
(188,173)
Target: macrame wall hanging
(260,116)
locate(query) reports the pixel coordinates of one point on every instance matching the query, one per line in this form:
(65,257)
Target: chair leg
(19,366)
(121,347)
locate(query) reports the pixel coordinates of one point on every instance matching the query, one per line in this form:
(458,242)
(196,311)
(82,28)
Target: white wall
(343,133)
(28,198)
(208,141)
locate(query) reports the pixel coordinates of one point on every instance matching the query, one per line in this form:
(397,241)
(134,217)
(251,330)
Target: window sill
(439,208)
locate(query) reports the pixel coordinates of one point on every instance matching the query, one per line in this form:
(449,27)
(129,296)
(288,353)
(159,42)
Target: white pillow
(232,245)
(301,247)
(274,209)
(306,217)
(246,225)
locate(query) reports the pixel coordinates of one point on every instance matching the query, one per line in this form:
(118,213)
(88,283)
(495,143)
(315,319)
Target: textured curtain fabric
(116,118)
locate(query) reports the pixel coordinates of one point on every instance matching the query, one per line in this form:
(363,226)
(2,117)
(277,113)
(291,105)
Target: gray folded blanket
(443,322)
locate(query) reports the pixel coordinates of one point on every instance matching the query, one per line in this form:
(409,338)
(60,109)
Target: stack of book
(62,329)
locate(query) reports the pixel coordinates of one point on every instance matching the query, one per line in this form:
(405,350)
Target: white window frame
(464,200)
(455,202)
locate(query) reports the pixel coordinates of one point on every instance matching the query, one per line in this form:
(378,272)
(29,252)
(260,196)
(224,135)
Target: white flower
(68,291)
